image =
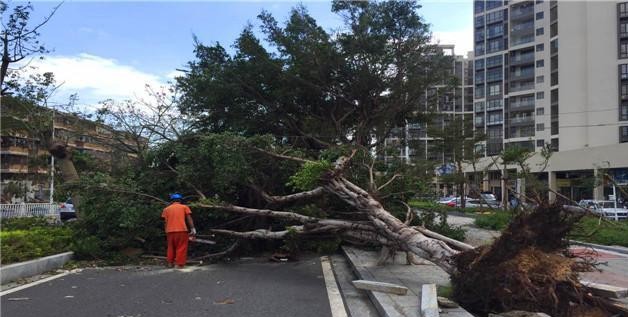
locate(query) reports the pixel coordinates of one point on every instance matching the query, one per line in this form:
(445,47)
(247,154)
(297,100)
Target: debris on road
(226,301)
(18,298)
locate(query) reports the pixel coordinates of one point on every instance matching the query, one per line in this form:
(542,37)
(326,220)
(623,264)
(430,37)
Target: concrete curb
(613,248)
(12,272)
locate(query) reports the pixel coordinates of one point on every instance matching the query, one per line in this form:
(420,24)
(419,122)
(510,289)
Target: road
(247,288)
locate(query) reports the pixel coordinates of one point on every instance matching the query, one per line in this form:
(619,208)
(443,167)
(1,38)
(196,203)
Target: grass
(30,238)
(589,229)
(436,207)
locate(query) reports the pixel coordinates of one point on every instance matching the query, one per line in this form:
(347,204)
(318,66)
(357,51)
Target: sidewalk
(410,276)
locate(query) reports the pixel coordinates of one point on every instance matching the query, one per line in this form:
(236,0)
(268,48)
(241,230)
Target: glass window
(479,6)
(540,95)
(494,46)
(479,106)
(540,127)
(479,35)
(623,71)
(494,74)
(623,134)
(540,143)
(539,15)
(495,16)
(540,63)
(540,47)
(539,31)
(479,21)
(492,4)
(479,64)
(623,111)
(623,9)
(495,30)
(479,91)
(495,89)
(494,61)
(623,50)
(623,28)
(494,104)
(624,90)
(540,79)
(479,48)
(540,111)
(553,29)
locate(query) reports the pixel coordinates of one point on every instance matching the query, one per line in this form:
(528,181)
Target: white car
(66,210)
(605,208)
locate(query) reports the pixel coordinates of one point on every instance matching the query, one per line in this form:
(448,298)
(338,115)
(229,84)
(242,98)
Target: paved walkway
(397,272)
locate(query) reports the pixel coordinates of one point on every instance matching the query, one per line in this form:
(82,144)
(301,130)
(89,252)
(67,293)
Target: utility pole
(52,162)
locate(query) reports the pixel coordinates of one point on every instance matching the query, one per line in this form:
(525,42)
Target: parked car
(445,200)
(605,208)
(66,210)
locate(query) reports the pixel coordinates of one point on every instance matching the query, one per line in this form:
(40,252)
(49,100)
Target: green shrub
(590,229)
(437,222)
(494,221)
(28,244)
(8,224)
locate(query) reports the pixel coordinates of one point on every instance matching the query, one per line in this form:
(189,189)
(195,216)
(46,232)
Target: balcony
(518,14)
(522,105)
(521,86)
(526,27)
(524,120)
(14,150)
(522,74)
(523,133)
(519,40)
(494,122)
(522,59)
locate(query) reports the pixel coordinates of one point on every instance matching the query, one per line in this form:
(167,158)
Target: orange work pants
(177,247)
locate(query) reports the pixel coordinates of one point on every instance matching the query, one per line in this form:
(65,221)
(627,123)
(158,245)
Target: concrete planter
(12,272)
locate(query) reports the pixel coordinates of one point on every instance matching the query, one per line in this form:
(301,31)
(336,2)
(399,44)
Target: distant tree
(19,37)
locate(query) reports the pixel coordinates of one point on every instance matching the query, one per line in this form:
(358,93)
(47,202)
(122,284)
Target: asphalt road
(247,288)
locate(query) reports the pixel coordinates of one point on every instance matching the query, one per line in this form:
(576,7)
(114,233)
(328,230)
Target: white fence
(29,210)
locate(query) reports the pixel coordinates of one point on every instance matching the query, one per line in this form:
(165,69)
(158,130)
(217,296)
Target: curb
(613,248)
(12,272)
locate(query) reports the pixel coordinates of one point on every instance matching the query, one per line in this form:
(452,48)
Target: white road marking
(333,293)
(47,279)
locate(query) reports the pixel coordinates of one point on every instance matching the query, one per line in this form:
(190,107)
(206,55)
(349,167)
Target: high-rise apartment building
(444,102)
(554,73)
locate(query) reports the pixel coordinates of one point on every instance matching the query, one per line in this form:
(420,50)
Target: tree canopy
(313,87)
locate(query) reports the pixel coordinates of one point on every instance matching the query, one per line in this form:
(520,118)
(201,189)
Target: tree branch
(283,157)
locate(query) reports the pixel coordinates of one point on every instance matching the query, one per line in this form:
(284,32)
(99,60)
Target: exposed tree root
(528,268)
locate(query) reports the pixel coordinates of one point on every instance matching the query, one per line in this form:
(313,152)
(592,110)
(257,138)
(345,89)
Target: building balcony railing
(514,41)
(522,75)
(623,35)
(522,120)
(522,133)
(522,87)
(494,122)
(14,150)
(522,59)
(623,14)
(521,105)
(521,13)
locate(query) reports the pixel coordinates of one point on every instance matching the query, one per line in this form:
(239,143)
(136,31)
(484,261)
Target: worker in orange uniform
(176,215)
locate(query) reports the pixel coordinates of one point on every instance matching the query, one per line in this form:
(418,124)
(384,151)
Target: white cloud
(463,40)
(96,78)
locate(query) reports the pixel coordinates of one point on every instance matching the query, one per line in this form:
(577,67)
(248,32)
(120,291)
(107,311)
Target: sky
(111,50)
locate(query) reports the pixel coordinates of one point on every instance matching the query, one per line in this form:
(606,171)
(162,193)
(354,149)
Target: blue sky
(112,49)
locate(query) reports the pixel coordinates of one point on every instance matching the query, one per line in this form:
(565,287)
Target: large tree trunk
(63,158)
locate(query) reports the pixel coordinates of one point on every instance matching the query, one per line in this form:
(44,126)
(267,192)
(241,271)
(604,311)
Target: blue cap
(175,196)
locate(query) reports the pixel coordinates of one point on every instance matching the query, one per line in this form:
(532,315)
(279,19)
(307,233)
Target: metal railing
(29,210)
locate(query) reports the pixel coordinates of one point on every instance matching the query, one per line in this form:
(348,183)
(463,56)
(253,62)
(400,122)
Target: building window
(623,134)
(623,29)
(554,79)
(623,71)
(623,111)
(479,21)
(623,50)
(492,4)
(495,90)
(540,143)
(554,145)
(495,30)
(494,61)
(623,9)
(540,47)
(479,91)
(479,64)
(494,46)
(540,95)
(540,127)
(540,79)
(495,16)
(540,111)
(554,29)
(540,63)
(479,6)
(539,31)
(494,104)
(479,48)
(539,15)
